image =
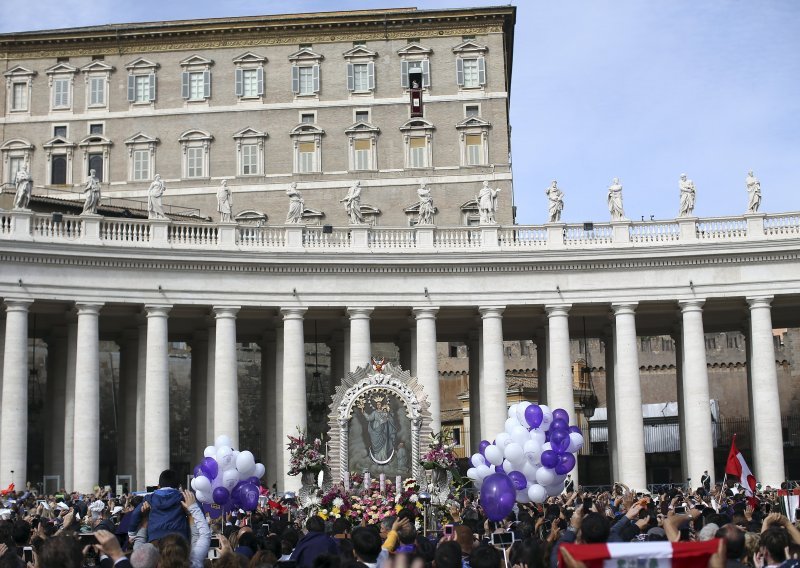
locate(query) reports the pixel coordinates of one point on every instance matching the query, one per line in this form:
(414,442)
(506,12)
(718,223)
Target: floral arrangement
(440,451)
(368,503)
(305,455)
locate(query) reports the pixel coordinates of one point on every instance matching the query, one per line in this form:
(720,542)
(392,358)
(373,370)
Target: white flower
(338,502)
(413,498)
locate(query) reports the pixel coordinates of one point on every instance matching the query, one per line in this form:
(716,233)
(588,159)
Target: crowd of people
(168,528)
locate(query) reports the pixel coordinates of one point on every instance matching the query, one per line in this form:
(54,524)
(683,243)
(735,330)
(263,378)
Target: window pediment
(413,209)
(16,144)
(249,58)
(61,68)
(306,55)
(249,133)
(195,136)
(251,217)
(473,122)
(414,50)
(470,47)
(98,67)
(417,124)
(370,210)
(141,64)
(360,51)
(197,61)
(95,140)
(362,128)
(19,71)
(141,138)
(471,205)
(58,142)
(306,128)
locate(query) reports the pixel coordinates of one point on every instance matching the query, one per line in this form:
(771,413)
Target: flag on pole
(737,467)
(636,554)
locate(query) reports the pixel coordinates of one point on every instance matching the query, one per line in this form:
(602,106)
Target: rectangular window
(249,159)
(360,77)
(362,116)
(472,110)
(306,153)
(418,152)
(61,93)
(474,149)
(141,165)
(96,128)
(142,94)
(457,436)
(471,73)
(250,83)
(196,90)
(19,96)
(14,165)
(306,75)
(194,162)
(59,131)
(58,170)
(363,153)
(308,118)
(97,91)
(96,163)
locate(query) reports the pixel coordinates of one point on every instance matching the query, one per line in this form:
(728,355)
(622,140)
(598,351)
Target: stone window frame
(16,148)
(246,62)
(93,70)
(415,128)
(195,64)
(360,55)
(415,53)
(19,75)
(470,213)
(250,135)
(96,144)
(470,50)
(141,141)
(139,68)
(58,146)
(306,57)
(473,126)
(362,131)
(302,133)
(196,138)
(62,72)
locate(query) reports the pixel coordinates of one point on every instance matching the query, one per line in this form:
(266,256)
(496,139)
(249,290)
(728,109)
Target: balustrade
(523,237)
(191,234)
(317,238)
(782,225)
(125,231)
(261,237)
(56,228)
(645,233)
(392,239)
(580,235)
(457,238)
(721,228)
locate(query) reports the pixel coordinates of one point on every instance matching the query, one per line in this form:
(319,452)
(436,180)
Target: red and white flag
(737,467)
(660,554)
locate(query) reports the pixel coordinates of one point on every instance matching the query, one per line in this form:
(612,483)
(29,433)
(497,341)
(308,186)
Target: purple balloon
(561,414)
(221,496)
(249,497)
(210,468)
(499,469)
(547,435)
(575,429)
(214,511)
(549,458)
(254,480)
(559,440)
(558,424)
(482,446)
(518,479)
(498,496)
(534,415)
(198,471)
(566,462)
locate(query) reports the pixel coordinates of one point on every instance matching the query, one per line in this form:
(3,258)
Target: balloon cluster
(528,462)
(227,478)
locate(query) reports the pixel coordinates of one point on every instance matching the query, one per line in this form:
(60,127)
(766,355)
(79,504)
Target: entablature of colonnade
(90,258)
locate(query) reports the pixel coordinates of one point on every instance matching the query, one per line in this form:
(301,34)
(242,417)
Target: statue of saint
(296,205)
(555,199)
(753,192)
(352,204)
(91,191)
(24,182)
(688,195)
(426,209)
(224,202)
(382,429)
(615,201)
(487,203)
(155,210)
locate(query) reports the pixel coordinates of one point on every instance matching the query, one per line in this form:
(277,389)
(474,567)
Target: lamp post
(425,499)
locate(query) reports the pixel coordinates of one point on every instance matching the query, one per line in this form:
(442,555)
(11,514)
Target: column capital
(88,308)
(491,311)
(425,312)
(557,310)
(691,305)
(157,310)
(20,305)
(760,301)
(359,313)
(225,312)
(293,313)
(624,308)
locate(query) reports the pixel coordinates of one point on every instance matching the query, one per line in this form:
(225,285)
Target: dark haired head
(594,528)
(448,555)
(485,556)
(315,524)
(60,552)
(169,478)
(366,544)
(734,539)
(775,540)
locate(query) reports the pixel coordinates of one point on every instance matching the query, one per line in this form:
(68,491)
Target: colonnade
(144,450)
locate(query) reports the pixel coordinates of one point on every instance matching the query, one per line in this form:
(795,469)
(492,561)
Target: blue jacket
(312,545)
(166,515)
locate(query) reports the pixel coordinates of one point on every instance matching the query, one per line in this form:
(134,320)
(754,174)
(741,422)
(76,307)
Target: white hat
(116,510)
(63,506)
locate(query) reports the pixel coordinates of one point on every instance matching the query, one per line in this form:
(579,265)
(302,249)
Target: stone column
(677,338)
(765,407)
(200,437)
(541,366)
(474,353)
(210,380)
(141,388)
(493,374)
(87,395)
(128,376)
(2,351)
(559,371)
(69,403)
(427,361)
(14,418)
(269,402)
(360,342)
(226,382)
(278,467)
(628,399)
(156,408)
(611,414)
(56,402)
(295,412)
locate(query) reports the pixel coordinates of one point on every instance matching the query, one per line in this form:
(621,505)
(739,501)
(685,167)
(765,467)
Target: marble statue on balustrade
(91,192)
(155,209)
(753,192)
(487,204)
(224,202)
(296,205)
(352,204)
(555,202)
(24,182)
(688,196)
(615,201)
(426,209)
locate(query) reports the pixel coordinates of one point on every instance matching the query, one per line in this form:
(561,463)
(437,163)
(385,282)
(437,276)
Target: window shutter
(295,79)
(460,72)
(371,75)
(351,82)
(152,86)
(426,73)
(315,73)
(404,74)
(260,81)
(239,82)
(184,85)
(481,71)
(207,84)
(131,88)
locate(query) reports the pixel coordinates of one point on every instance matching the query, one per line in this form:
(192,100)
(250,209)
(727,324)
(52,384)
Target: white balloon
(503,439)
(546,446)
(545,476)
(529,471)
(559,479)
(512,410)
(520,435)
(537,493)
(202,496)
(532,451)
(223,440)
(472,473)
(547,418)
(478,483)
(210,452)
(521,412)
(538,435)
(229,479)
(553,490)
(260,470)
(494,455)
(484,471)
(575,442)
(511,423)
(522,496)
(514,453)
(225,458)
(191,484)
(245,463)
(202,484)
(508,466)
(477,460)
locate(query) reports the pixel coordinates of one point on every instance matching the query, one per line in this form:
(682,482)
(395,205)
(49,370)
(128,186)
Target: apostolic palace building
(337,178)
